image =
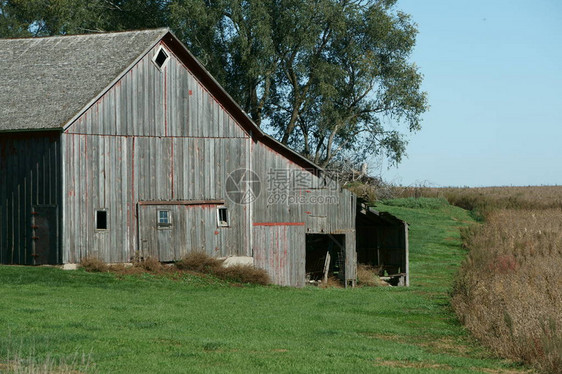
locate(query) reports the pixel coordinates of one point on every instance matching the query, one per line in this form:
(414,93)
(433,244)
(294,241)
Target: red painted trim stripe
(278,223)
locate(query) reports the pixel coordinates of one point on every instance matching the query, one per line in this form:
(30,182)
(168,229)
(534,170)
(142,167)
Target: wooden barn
(122,145)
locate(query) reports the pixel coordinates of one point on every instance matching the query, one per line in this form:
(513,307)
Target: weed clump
(150,264)
(94,265)
(199,262)
(18,363)
(242,274)
(194,262)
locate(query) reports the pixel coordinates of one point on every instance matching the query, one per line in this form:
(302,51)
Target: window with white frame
(164,219)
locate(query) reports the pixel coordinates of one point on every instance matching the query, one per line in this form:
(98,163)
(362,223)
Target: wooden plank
(350,260)
(181,202)
(326,267)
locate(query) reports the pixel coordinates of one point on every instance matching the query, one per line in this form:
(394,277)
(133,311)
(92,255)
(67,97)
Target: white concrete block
(238,260)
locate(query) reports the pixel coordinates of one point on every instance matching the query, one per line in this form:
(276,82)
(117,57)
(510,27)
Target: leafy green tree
(326,76)
(233,40)
(56,17)
(9,25)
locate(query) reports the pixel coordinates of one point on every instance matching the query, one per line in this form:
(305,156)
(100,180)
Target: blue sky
(493,73)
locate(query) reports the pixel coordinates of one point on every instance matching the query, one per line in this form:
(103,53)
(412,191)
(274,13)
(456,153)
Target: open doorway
(382,243)
(325,257)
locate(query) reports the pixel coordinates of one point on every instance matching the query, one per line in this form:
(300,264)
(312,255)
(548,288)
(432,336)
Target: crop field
(509,290)
(482,200)
(74,321)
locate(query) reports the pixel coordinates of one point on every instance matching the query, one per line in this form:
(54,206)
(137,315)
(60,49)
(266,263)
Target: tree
(9,26)
(233,40)
(60,17)
(326,76)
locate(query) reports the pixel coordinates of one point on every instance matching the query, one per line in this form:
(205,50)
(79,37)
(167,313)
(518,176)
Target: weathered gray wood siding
(29,177)
(319,202)
(280,249)
(154,136)
(193,227)
(292,194)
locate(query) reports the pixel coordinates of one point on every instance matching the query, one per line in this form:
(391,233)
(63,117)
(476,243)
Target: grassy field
(153,324)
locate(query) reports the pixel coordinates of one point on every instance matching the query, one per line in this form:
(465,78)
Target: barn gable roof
(47,83)
(44,82)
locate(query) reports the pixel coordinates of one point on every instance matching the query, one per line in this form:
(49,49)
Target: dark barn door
(44,238)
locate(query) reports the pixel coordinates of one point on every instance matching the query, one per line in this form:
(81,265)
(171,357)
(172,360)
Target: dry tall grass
(199,261)
(194,262)
(368,276)
(484,200)
(94,265)
(243,274)
(509,290)
(18,364)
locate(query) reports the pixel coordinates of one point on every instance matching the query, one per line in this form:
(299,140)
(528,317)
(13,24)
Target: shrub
(242,274)
(199,261)
(150,264)
(503,264)
(94,265)
(363,191)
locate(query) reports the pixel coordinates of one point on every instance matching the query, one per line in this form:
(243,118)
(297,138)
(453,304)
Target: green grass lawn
(148,324)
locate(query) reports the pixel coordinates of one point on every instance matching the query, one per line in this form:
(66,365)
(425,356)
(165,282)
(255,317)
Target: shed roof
(381,218)
(44,82)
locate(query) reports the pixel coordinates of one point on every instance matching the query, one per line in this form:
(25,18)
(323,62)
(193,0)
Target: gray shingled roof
(44,82)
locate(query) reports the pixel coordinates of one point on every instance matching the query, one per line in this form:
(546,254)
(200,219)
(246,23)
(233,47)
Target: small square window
(164,219)
(222,217)
(101,220)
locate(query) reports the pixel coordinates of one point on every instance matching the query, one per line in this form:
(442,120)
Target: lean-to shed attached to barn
(382,242)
